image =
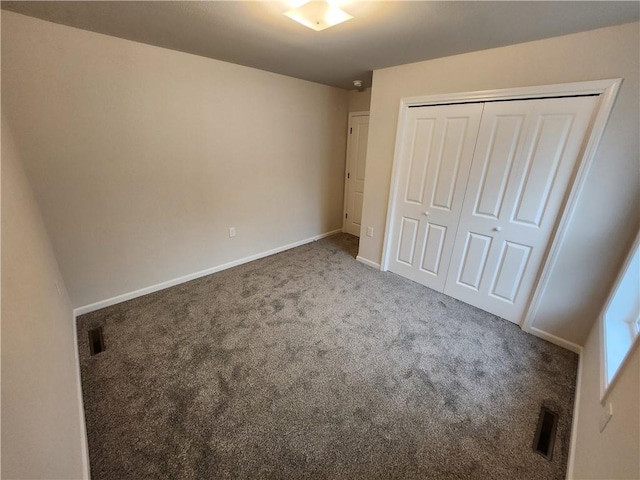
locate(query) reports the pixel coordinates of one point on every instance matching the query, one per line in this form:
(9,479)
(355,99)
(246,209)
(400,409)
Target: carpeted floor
(308,364)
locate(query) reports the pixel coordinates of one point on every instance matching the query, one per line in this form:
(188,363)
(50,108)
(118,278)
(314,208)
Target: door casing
(607,91)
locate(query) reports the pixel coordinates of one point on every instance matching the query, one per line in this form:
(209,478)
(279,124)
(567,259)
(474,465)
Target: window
(621,319)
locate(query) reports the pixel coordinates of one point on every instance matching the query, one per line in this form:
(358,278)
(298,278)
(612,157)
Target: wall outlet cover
(232,232)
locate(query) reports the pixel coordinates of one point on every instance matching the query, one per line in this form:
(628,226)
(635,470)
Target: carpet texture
(308,364)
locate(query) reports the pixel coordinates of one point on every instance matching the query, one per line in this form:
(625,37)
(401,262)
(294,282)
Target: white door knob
(426,214)
(497,229)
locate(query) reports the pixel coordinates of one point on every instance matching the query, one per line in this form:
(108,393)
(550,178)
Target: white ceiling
(382,34)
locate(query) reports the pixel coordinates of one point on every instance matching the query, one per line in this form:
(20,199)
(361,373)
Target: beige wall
(359,101)
(614,453)
(607,215)
(42,432)
(142,157)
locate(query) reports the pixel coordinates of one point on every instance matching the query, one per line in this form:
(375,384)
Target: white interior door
(523,164)
(356,162)
(435,157)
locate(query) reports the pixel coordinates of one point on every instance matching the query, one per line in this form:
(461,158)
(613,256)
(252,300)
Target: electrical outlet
(607,413)
(232,232)
(369,231)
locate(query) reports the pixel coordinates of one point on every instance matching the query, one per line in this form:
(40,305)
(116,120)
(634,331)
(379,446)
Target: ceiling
(382,34)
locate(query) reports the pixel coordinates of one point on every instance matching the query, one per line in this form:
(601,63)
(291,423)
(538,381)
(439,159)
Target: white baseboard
(192,276)
(368,262)
(84,444)
(574,423)
(561,342)
(576,403)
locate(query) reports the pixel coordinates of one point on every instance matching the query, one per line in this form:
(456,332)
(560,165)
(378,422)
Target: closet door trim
(607,91)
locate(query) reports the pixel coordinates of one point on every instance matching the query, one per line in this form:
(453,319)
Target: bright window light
(621,317)
(318,15)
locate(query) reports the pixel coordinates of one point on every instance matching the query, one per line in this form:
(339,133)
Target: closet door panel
(434,244)
(474,260)
(408,237)
(495,165)
(448,162)
(541,167)
(522,167)
(435,157)
(512,262)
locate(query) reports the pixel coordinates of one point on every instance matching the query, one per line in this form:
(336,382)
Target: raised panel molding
(541,168)
(434,244)
(474,260)
(408,236)
(498,163)
(448,165)
(511,266)
(421,148)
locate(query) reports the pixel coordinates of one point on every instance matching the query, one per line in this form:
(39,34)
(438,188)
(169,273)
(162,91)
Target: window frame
(607,385)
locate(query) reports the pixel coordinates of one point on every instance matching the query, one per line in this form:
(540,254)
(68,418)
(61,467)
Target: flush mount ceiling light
(318,15)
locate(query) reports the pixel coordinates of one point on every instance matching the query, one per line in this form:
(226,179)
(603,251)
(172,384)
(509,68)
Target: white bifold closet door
(437,148)
(523,163)
(515,183)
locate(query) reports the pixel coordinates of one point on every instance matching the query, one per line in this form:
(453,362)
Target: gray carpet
(308,364)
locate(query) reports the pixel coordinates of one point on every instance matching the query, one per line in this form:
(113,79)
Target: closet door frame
(607,91)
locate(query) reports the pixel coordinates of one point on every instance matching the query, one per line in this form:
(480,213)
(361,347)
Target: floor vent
(546,433)
(96,342)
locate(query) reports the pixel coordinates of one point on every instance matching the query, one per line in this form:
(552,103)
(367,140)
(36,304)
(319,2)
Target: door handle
(497,229)
(426,214)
